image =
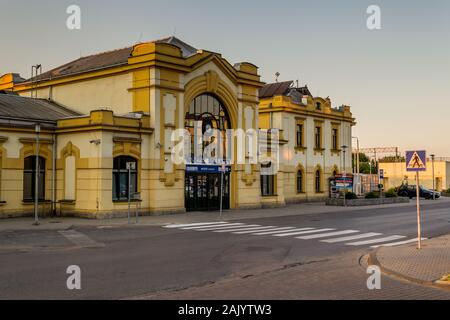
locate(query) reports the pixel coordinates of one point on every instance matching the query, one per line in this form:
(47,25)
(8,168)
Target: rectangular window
(335,139)
(299,135)
(121,176)
(267,180)
(29,179)
(318,138)
(268,185)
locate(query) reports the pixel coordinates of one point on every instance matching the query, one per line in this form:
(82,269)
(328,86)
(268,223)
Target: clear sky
(396,79)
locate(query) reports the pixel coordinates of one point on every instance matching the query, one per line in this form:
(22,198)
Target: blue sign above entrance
(205,169)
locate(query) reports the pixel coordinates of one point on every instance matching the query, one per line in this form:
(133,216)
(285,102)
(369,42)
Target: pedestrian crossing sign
(416,161)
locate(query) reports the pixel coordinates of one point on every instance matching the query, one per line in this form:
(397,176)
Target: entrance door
(202,191)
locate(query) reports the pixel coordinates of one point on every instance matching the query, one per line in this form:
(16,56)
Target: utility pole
(344,149)
(358,186)
(37,129)
(432,169)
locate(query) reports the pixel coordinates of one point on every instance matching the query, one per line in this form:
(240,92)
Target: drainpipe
(54,176)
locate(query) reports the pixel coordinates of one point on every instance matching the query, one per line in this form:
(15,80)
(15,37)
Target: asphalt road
(157,262)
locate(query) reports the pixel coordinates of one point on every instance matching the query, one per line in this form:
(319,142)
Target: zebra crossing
(349,237)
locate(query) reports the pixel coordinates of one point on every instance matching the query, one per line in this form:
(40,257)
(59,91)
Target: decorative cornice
(34,140)
(127,139)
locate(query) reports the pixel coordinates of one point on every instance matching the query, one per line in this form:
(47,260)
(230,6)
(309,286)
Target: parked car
(410,192)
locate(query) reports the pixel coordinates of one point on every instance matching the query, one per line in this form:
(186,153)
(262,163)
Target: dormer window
(318,106)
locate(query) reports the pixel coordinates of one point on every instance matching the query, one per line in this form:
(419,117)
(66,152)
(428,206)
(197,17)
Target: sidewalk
(427,266)
(191,217)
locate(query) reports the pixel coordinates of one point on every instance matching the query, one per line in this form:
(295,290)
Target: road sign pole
(419,231)
(222,170)
(416,161)
(129,194)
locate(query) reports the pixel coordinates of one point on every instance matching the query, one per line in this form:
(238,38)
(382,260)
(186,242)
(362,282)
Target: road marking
(192,224)
(301,232)
(254,230)
(241,228)
(393,244)
(212,227)
(386,239)
(229,226)
(79,239)
(276,230)
(358,236)
(325,235)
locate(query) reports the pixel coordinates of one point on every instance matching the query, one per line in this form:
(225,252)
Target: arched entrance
(207,121)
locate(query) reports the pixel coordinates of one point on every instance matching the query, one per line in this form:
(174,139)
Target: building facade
(317,140)
(395,174)
(108,126)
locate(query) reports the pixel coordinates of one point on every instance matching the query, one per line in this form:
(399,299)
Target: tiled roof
(107,59)
(274,89)
(17,107)
(282,88)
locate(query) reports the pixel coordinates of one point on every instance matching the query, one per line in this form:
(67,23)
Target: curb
(373,260)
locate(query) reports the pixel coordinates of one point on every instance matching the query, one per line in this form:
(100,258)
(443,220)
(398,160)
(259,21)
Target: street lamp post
(37,129)
(358,185)
(432,168)
(344,175)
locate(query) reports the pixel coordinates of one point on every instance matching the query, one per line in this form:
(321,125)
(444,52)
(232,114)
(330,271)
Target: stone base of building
(305,200)
(365,202)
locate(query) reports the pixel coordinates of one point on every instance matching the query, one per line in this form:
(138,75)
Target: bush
(447,191)
(351,196)
(391,193)
(372,195)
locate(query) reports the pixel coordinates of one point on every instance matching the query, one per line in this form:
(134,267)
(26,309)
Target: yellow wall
(161,83)
(110,92)
(396,173)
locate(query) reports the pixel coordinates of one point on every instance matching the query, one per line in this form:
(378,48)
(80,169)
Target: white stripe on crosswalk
(355,237)
(378,240)
(276,230)
(239,228)
(192,224)
(244,228)
(301,232)
(393,244)
(326,235)
(213,227)
(254,230)
(230,228)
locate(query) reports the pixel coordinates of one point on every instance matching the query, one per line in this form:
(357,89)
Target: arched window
(318,181)
(29,178)
(123,167)
(300,181)
(206,112)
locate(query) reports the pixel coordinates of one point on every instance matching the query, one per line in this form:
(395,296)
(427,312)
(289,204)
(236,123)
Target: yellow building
(108,123)
(314,135)
(395,174)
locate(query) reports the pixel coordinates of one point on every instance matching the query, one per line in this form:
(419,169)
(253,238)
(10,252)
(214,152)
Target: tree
(365,164)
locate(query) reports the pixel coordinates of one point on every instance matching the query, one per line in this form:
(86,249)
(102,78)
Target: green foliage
(365,164)
(391,193)
(372,195)
(351,196)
